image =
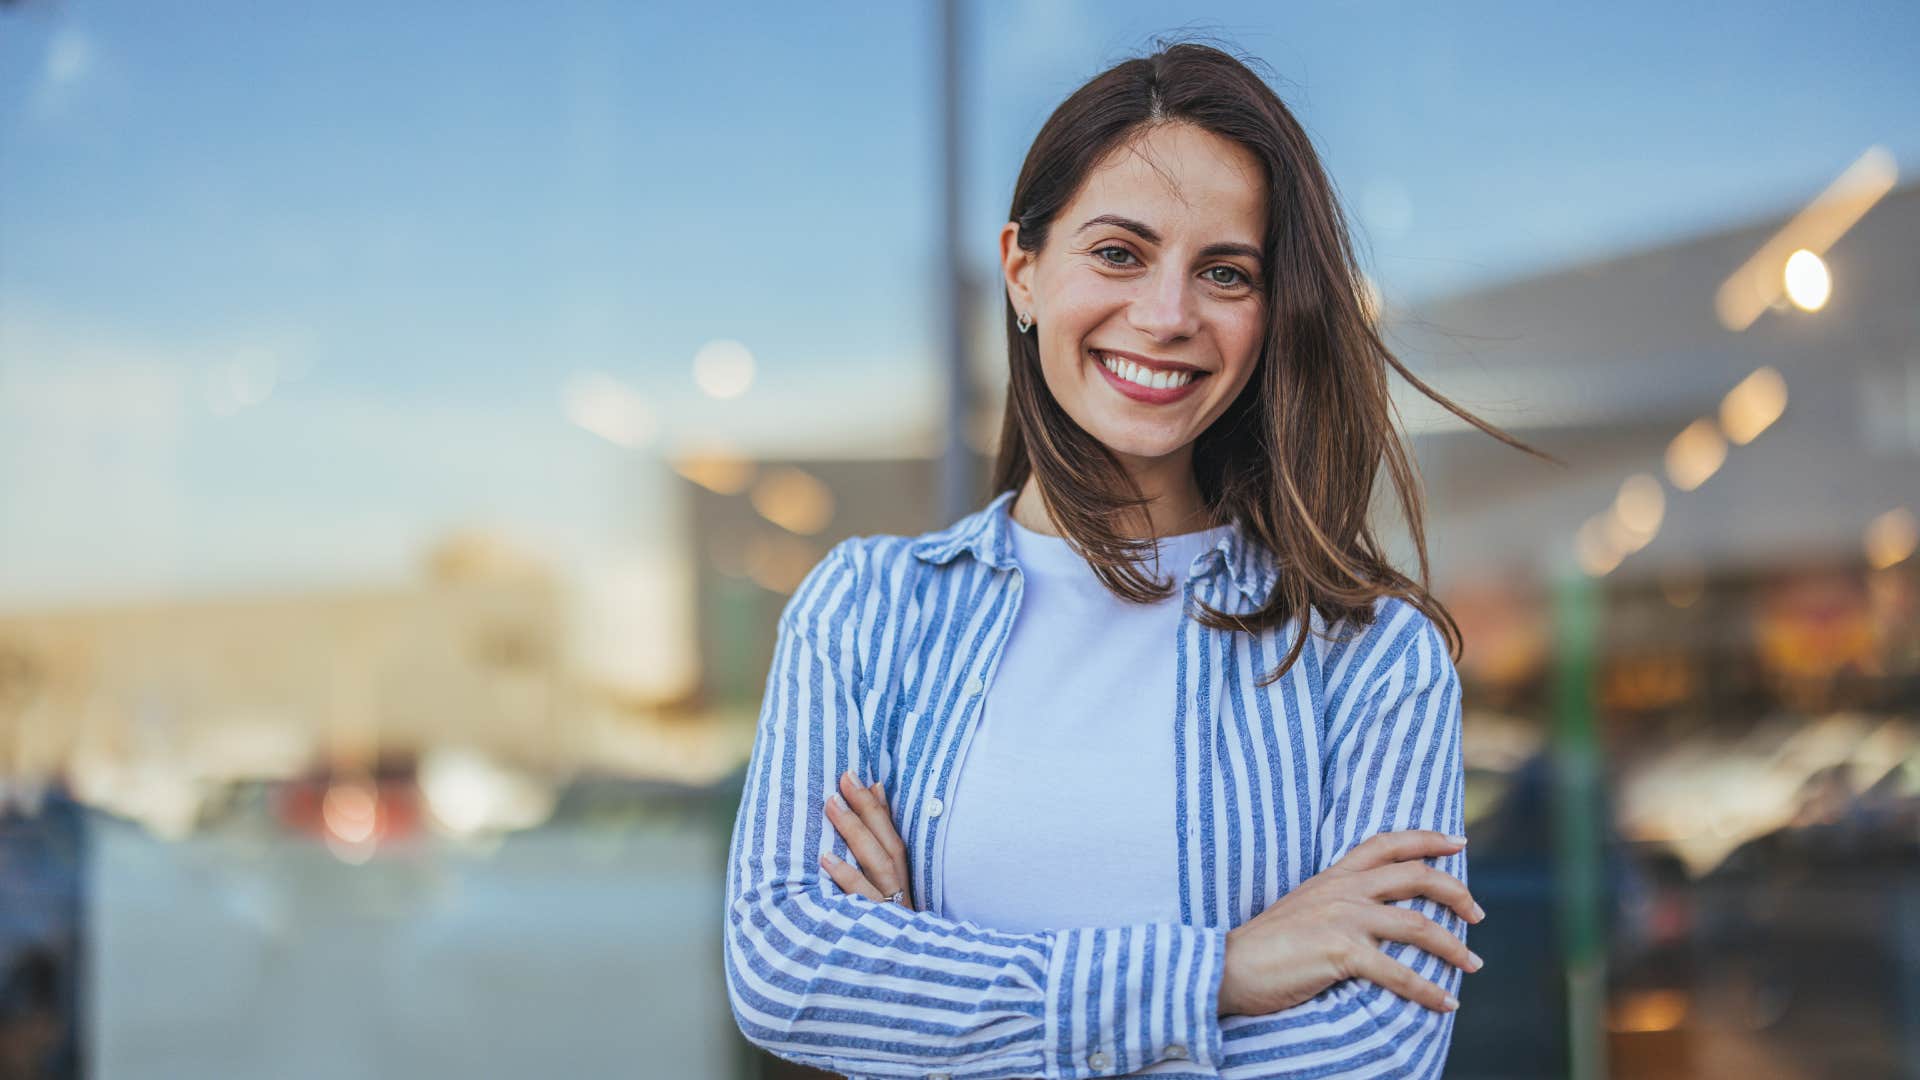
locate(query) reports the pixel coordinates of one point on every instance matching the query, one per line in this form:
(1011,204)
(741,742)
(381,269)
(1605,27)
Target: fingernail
(1477,962)
(840,802)
(827,859)
(1456,839)
(1452,1002)
(1479,912)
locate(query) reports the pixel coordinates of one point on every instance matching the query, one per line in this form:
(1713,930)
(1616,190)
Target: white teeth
(1134,373)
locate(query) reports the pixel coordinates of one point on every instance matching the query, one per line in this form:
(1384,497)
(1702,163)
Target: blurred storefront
(1740,500)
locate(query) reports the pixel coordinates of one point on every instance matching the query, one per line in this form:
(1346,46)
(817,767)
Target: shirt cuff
(1122,998)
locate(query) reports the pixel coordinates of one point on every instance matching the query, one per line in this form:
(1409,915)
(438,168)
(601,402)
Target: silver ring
(899,897)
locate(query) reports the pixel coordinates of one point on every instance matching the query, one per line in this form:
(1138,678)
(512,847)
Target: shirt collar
(987,535)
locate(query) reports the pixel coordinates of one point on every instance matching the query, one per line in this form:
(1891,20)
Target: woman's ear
(1017,265)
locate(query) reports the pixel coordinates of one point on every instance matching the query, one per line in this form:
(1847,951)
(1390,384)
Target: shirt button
(1176,1051)
(975,686)
(934,806)
(1099,1059)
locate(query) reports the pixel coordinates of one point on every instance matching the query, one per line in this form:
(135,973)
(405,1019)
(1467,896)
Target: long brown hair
(1295,455)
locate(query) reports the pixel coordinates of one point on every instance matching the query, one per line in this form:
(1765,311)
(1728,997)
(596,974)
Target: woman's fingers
(1403,881)
(1415,928)
(850,816)
(1397,846)
(873,814)
(1379,968)
(1397,859)
(867,849)
(849,878)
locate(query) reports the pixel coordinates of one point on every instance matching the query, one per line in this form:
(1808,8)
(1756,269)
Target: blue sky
(425,223)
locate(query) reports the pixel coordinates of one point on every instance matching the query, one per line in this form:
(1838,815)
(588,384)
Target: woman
(1151,766)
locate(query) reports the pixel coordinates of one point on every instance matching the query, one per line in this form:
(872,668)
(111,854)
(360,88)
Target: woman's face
(1157,257)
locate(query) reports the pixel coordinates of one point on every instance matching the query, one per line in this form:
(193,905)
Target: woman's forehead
(1178,180)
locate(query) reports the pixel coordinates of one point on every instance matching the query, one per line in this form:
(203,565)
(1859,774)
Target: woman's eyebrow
(1152,236)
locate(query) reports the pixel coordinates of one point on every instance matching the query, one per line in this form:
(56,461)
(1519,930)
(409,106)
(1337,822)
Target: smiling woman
(1163,275)
(1156,852)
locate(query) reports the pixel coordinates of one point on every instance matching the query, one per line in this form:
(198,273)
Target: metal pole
(956,462)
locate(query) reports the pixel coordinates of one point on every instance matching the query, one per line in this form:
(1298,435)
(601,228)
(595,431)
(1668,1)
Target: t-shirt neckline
(1052,554)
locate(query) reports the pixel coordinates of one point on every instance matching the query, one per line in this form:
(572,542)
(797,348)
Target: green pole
(1577,826)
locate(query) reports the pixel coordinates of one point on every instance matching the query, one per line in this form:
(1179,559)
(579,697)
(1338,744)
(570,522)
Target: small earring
(1025,322)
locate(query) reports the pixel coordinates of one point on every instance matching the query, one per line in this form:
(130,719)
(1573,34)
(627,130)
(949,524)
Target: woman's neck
(1168,514)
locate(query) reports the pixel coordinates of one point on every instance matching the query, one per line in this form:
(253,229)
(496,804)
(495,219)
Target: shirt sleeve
(1393,762)
(838,981)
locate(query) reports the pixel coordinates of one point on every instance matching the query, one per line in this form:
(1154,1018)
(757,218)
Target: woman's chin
(1148,447)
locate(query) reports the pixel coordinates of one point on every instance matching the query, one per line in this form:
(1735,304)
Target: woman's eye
(1237,277)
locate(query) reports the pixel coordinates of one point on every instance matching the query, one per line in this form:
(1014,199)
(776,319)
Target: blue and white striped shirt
(883,656)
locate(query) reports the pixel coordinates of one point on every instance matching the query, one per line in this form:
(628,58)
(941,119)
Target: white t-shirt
(1088,681)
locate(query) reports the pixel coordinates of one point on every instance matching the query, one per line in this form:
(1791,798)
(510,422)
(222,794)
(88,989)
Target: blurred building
(1741,451)
(757,527)
(1607,364)
(148,708)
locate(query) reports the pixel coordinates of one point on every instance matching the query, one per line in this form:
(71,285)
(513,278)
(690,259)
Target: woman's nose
(1164,308)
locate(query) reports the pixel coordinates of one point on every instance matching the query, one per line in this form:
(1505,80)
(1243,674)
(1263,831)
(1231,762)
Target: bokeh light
(1752,406)
(1807,281)
(1695,454)
(793,499)
(723,369)
(1891,538)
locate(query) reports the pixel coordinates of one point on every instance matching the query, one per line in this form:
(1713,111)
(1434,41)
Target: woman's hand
(865,822)
(1330,927)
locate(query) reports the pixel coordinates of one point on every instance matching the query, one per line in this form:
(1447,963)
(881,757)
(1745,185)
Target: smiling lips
(1152,387)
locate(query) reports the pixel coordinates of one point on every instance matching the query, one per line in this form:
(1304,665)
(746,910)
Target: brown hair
(1295,455)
